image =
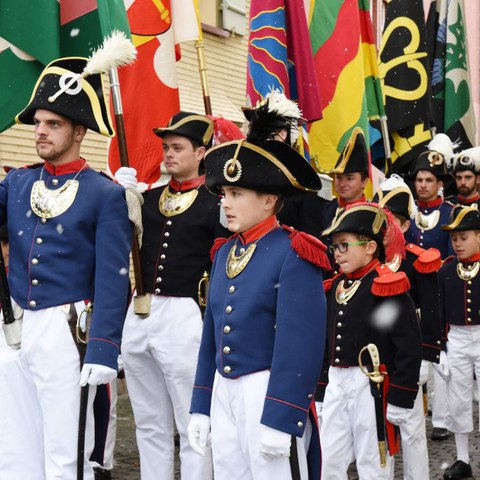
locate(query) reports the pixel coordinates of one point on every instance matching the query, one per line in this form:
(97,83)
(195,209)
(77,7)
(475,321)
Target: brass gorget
(47,203)
(427,222)
(344,294)
(237,263)
(469,272)
(172,204)
(395,263)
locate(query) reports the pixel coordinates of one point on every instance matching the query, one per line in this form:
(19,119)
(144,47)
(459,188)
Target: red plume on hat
(393,240)
(224,130)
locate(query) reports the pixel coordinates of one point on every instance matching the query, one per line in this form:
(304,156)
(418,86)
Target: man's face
(427,185)
(467,183)
(57,139)
(349,186)
(180,158)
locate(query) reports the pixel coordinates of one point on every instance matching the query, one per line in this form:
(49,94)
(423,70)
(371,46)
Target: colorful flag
(149,87)
(280,55)
(341,35)
(404,72)
(451,90)
(32,34)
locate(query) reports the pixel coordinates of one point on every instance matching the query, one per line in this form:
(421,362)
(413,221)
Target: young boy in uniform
(459,307)
(367,304)
(421,267)
(264,328)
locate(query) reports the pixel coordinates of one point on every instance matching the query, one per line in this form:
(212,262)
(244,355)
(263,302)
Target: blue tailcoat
(270,316)
(82,254)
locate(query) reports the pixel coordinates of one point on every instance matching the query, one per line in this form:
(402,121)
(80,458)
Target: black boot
(102,474)
(458,471)
(440,434)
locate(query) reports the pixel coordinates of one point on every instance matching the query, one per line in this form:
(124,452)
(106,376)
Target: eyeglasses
(343,247)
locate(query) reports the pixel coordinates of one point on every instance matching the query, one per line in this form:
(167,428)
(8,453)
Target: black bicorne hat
(395,195)
(198,128)
(363,219)
(463,218)
(274,167)
(354,155)
(466,160)
(83,102)
(435,159)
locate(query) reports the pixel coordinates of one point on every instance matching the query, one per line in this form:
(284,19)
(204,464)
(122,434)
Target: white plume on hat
(469,159)
(396,181)
(442,144)
(279,103)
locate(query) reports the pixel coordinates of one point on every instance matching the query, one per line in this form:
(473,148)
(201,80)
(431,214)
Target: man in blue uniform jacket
(69,244)
(264,329)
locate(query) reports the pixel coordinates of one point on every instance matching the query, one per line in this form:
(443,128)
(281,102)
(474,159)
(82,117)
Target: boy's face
(466,244)
(244,208)
(349,186)
(356,256)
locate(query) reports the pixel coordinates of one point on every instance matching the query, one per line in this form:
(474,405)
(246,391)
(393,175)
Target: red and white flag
(149,87)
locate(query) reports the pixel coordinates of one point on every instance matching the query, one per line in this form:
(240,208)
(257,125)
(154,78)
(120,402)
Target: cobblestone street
(442,454)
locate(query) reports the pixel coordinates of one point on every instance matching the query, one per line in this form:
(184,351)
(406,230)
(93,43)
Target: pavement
(441,454)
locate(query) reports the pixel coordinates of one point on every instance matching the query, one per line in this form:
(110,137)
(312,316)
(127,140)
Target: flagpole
(202,66)
(122,148)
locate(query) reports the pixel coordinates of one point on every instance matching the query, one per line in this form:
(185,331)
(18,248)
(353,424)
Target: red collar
(468,201)
(472,259)
(342,203)
(260,229)
(70,167)
(434,203)
(187,184)
(364,270)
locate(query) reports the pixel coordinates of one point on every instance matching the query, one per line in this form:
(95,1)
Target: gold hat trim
(380,218)
(347,152)
(383,199)
(265,154)
(86,87)
(463,212)
(191,118)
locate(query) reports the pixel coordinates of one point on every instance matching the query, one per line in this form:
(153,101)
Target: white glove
(424,369)
(274,443)
(199,433)
(397,415)
(126,177)
(121,365)
(442,367)
(319,408)
(94,374)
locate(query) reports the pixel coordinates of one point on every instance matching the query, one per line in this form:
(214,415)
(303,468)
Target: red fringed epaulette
(327,284)
(34,165)
(428,261)
(309,248)
(388,283)
(216,246)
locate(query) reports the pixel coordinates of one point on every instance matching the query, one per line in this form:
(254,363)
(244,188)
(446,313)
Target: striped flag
(341,36)
(149,87)
(451,89)
(280,56)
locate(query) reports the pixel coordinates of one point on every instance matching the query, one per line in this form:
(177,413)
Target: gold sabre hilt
(377,377)
(202,291)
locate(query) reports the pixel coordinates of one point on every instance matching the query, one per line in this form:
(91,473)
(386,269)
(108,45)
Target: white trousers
(439,401)
(237,406)
(160,354)
(463,353)
(348,428)
(43,403)
(414,442)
